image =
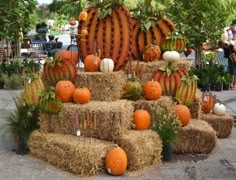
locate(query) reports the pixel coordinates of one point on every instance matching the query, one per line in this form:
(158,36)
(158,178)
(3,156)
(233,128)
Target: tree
(201,20)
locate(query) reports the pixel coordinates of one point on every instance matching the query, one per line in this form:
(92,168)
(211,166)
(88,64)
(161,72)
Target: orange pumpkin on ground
(81,95)
(116,161)
(69,54)
(151,53)
(142,119)
(152,90)
(92,63)
(183,113)
(64,91)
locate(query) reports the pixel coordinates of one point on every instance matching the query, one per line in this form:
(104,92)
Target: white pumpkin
(219,109)
(171,55)
(107,65)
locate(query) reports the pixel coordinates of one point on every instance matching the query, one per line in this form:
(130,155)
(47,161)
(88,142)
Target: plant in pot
(20,123)
(220,80)
(167,125)
(228,80)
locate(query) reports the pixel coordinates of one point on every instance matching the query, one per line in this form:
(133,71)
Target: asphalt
(218,165)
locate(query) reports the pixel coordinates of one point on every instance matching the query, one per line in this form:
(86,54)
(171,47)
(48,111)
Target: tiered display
(78,138)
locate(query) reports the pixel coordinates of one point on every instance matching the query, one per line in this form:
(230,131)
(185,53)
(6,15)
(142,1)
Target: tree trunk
(198,56)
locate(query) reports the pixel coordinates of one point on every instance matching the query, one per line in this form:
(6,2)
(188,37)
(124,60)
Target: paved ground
(219,165)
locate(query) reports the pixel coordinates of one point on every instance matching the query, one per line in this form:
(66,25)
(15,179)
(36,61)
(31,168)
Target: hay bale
(151,67)
(103,86)
(197,137)
(221,124)
(143,148)
(79,155)
(112,119)
(150,106)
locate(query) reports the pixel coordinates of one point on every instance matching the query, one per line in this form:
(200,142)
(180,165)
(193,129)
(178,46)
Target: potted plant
(20,123)
(167,125)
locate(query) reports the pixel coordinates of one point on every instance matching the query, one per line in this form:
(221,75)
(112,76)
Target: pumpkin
(183,114)
(92,63)
(72,21)
(116,161)
(152,90)
(64,91)
(151,53)
(207,102)
(81,95)
(170,56)
(107,65)
(69,54)
(169,77)
(219,109)
(57,68)
(83,15)
(133,89)
(142,119)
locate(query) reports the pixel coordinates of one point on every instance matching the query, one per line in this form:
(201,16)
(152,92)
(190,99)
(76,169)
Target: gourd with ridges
(56,69)
(169,77)
(186,90)
(33,86)
(112,34)
(173,43)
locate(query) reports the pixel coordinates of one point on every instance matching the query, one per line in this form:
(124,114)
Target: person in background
(220,55)
(228,49)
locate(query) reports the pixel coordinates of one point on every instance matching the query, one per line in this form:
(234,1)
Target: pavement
(218,165)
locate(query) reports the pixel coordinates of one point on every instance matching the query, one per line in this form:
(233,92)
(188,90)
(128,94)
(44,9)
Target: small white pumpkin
(107,65)
(171,55)
(219,109)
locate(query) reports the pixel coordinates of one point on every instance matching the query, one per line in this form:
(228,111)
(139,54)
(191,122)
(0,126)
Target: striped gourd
(169,77)
(48,102)
(154,35)
(112,34)
(186,90)
(33,86)
(56,69)
(175,43)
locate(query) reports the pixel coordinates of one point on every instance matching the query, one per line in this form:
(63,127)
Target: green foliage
(166,124)
(13,81)
(22,121)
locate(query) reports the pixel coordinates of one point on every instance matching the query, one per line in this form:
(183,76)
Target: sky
(44,1)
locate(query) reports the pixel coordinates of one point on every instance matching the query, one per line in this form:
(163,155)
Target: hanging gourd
(64,91)
(207,102)
(152,90)
(151,53)
(83,15)
(81,95)
(107,65)
(182,113)
(116,161)
(142,119)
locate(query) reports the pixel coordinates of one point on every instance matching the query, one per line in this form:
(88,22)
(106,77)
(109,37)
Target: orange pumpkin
(81,95)
(64,91)
(116,161)
(183,113)
(92,63)
(152,90)
(208,102)
(151,53)
(69,54)
(142,119)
